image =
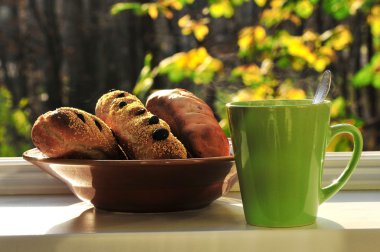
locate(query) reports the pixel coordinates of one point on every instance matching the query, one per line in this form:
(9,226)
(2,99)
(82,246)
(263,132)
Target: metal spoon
(323,87)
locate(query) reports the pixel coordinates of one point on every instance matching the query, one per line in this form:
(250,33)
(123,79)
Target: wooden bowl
(142,185)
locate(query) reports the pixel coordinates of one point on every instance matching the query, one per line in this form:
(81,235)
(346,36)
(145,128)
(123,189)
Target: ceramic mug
(279,148)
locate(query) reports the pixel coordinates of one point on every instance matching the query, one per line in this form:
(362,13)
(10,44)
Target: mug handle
(328,191)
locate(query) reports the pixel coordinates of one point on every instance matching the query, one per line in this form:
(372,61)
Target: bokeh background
(57,53)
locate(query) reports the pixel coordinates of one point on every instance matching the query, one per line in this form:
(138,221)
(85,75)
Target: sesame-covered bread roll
(141,134)
(73,133)
(192,121)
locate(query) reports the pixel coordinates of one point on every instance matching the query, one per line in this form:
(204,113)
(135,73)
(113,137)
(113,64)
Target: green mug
(279,148)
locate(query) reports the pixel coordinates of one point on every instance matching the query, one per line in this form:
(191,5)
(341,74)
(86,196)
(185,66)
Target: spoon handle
(323,87)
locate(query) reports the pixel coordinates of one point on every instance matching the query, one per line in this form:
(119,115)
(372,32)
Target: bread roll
(192,121)
(73,133)
(141,134)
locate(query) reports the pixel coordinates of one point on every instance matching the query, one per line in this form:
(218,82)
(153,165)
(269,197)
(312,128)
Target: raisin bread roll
(73,133)
(192,121)
(141,134)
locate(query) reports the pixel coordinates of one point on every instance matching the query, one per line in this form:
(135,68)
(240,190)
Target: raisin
(160,134)
(122,104)
(120,95)
(154,120)
(140,111)
(98,125)
(80,116)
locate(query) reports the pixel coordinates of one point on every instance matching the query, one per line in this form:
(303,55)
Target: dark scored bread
(192,121)
(73,133)
(141,134)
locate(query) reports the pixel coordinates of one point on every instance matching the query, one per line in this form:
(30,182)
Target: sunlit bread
(192,121)
(141,134)
(73,133)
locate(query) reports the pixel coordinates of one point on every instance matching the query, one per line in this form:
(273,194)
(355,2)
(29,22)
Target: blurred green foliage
(267,52)
(14,125)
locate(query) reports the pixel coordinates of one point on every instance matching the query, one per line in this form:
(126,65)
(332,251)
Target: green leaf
(363,77)
(23,102)
(238,2)
(143,86)
(148,59)
(176,76)
(146,77)
(15,127)
(376,80)
(343,145)
(339,9)
(203,77)
(119,7)
(338,107)
(21,123)
(213,1)
(304,9)
(283,62)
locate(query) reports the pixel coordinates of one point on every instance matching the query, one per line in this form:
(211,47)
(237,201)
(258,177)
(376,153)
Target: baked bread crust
(141,134)
(192,121)
(73,133)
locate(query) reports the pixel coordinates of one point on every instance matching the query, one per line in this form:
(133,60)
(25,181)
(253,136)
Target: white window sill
(38,213)
(350,221)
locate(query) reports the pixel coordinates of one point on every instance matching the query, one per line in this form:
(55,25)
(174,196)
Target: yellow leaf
(216,65)
(200,32)
(249,36)
(222,8)
(271,16)
(186,31)
(251,75)
(167,13)
(375,28)
(259,33)
(310,57)
(338,106)
(327,51)
(321,63)
(341,38)
(153,11)
(189,26)
(175,4)
(195,57)
(296,47)
(277,4)
(243,95)
(260,3)
(262,92)
(291,93)
(287,91)
(178,59)
(245,40)
(181,60)
(296,93)
(253,69)
(297,65)
(295,20)
(304,8)
(355,5)
(309,36)
(374,20)
(184,21)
